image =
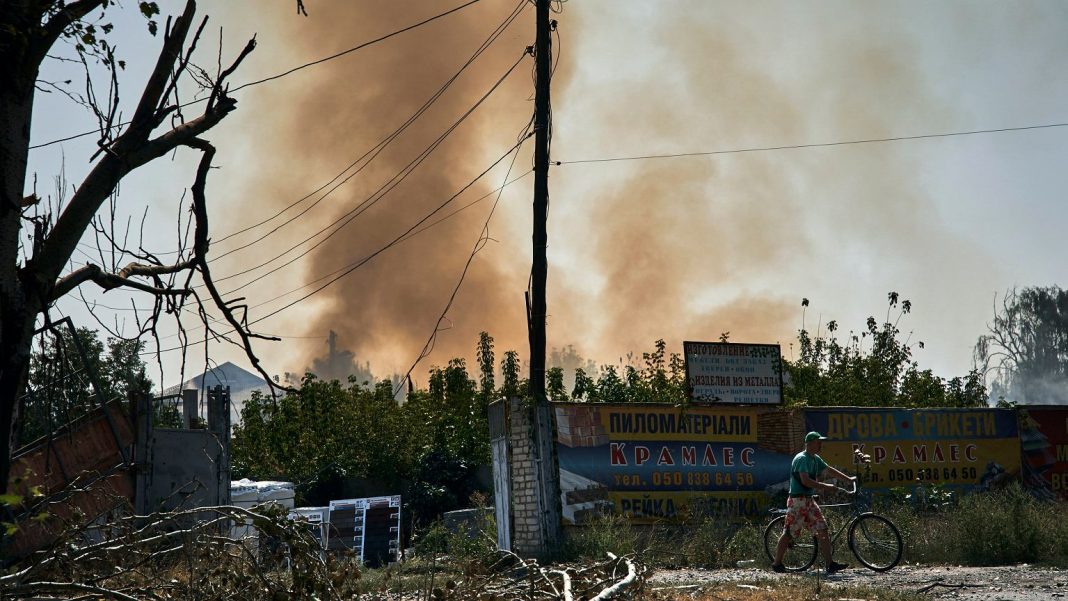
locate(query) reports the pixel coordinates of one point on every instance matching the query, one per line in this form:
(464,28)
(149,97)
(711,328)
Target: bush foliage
(1003,527)
(427,447)
(872,368)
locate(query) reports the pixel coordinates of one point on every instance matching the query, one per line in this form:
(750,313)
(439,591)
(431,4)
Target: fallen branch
(608,593)
(567,584)
(933,585)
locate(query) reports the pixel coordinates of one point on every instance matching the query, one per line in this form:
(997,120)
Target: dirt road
(1002,583)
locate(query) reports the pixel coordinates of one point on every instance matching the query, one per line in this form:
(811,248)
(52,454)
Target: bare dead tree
(31,274)
(1024,354)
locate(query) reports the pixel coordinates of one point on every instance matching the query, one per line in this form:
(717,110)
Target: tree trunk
(15,343)
(16,314)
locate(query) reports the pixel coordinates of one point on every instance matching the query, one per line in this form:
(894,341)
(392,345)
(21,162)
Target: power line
(370,201)
(493,36)
(357,47)
(341,269)
(814,145)
(290,71)
(483,239)
(399,239)
(396,240)
(374,151)
(405,239)
(95,305)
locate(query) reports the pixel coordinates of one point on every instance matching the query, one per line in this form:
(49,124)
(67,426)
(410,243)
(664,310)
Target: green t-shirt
(810,464)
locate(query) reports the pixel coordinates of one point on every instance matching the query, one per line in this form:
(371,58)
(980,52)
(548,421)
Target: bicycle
(874,540)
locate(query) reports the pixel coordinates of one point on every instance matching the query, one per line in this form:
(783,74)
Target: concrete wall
(185,470)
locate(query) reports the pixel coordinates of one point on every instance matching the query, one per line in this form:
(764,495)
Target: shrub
(706,542)
(1008,526)
(608,533)
(472,545)
(996,528)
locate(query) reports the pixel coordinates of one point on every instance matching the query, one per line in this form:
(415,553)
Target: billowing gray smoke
(685,248)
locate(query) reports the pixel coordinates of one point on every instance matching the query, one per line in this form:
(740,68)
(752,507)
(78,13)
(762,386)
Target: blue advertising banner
(652,462)
(965,448)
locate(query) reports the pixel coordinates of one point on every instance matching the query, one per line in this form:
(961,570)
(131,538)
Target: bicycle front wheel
(875,542)
(800,555)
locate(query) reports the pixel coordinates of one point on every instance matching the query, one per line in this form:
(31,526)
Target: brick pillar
(781,430)
(526,536)
(535,511)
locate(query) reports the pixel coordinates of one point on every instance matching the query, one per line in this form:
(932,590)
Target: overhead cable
(483,239)
(339,270)
(397,240)
(290,71)
(405,239)
(370,201)
(375,150)
(813,145)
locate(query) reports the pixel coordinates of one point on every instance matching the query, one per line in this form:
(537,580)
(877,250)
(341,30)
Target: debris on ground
(617,577)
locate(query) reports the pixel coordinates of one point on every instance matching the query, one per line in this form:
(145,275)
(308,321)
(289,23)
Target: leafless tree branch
(110,281)
(200,249)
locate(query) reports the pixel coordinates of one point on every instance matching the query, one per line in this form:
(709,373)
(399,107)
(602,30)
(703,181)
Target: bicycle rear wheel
(801,553)
(875,541)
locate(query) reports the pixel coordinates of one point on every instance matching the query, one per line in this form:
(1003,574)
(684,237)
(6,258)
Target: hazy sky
(674,248)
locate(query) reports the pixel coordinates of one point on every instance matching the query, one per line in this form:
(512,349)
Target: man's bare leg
(825,545)
(780,550)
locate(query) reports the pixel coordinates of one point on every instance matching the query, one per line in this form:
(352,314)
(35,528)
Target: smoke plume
(680,248)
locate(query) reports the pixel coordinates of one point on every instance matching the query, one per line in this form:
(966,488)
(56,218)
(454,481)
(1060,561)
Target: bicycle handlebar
(849,492)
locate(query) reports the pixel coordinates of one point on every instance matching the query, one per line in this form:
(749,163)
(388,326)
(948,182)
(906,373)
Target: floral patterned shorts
(802,513)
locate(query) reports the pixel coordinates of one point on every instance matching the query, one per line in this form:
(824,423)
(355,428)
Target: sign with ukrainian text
(734,374)
(1044,450)
(660,462)
(974,449)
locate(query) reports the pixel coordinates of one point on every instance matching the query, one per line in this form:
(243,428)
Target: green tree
(661,378)
(428,448)
(484,355)
(1024,354)
(554,385)
(873,369)
(62,383)
(323,428)
(570,361)
(510,374)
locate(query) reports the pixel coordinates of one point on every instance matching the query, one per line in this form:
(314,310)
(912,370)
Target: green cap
(814,436)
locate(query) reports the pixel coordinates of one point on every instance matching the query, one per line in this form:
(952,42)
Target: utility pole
(539,269)
(548,473)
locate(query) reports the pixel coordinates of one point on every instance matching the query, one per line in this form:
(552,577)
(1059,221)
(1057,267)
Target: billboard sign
(734,374)
(1044,450)
(657,462)
(974,449)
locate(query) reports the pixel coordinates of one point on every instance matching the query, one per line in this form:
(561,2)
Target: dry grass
(1005,527)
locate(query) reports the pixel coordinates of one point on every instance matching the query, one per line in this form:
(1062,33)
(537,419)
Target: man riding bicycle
(802,511)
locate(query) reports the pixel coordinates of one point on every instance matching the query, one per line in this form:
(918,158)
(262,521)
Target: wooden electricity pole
(542,130)
(548,473)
